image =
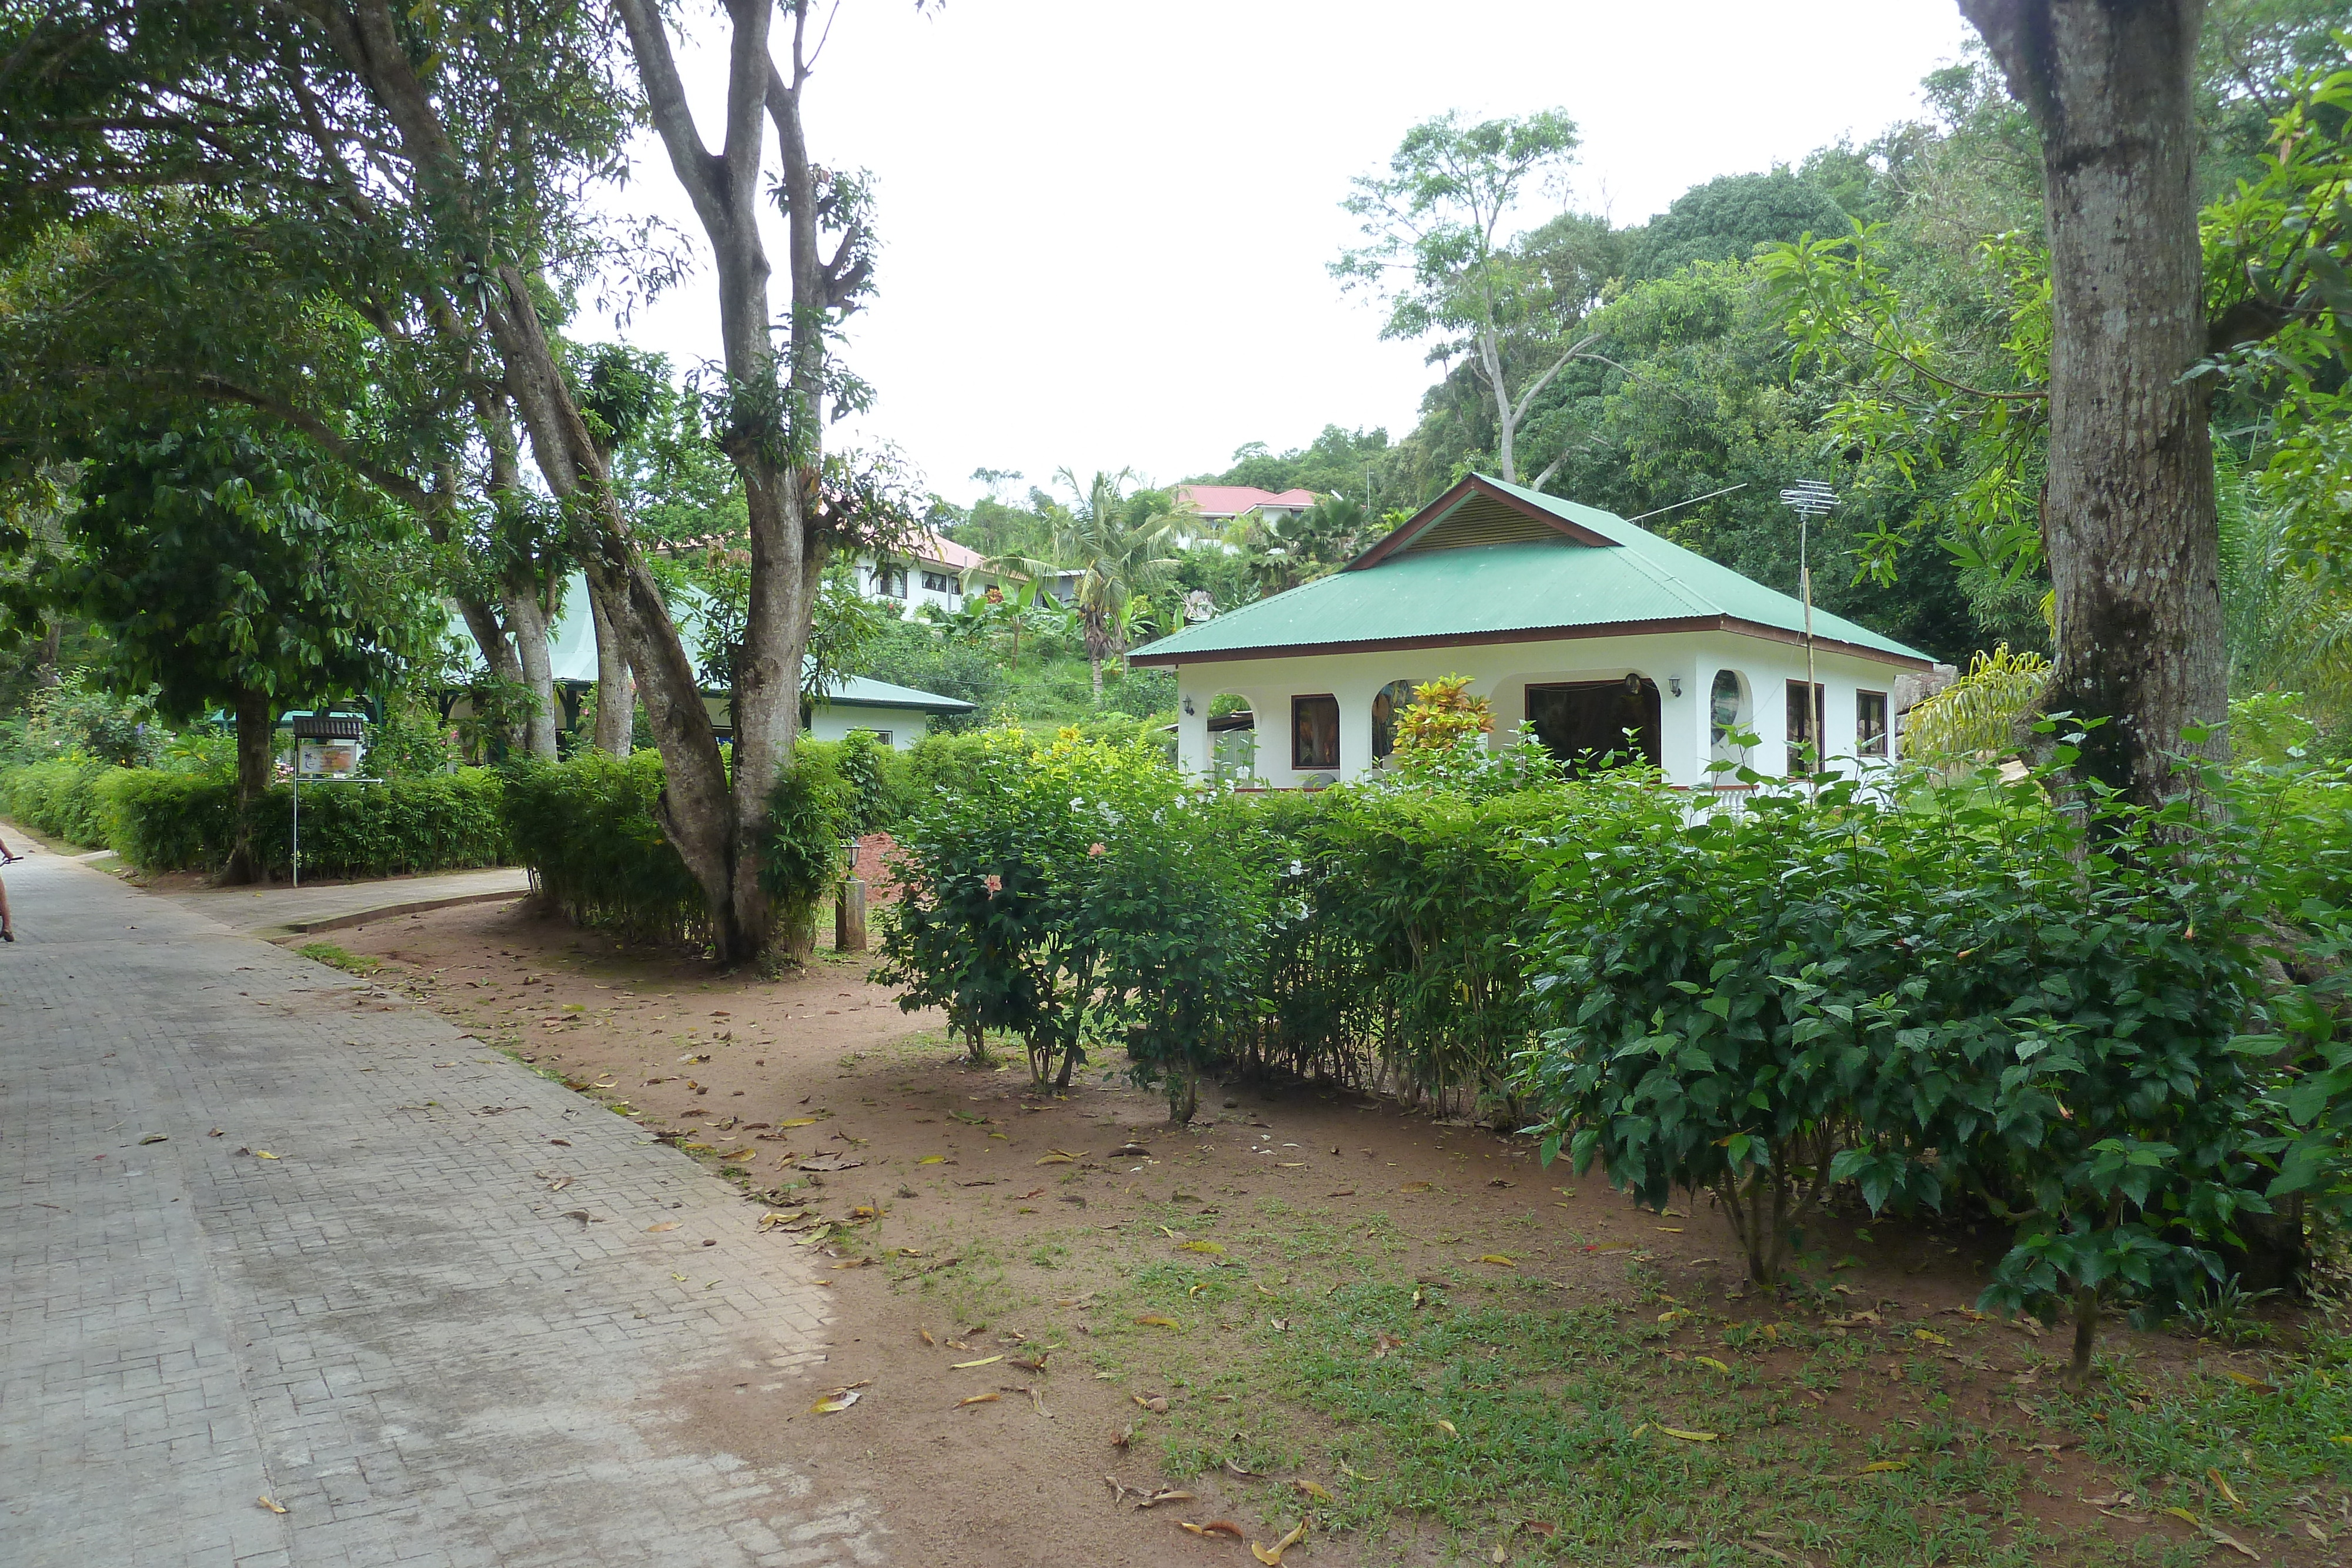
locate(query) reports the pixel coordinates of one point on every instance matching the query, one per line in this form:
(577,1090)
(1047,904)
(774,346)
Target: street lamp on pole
(1809,498)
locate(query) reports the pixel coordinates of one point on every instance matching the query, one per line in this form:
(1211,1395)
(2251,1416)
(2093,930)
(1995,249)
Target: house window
(1870,723)
(1387,708)
(1593,724)
(1804,727)
(1313,733)
(890,582)
(1726,716)
(881,736)
(937,582)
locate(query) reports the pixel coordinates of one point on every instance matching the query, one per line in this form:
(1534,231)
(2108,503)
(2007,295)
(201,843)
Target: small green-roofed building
(1593,634)
(896,715)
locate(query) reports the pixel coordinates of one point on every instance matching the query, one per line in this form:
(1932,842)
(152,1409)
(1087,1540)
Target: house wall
(1502,673)
(949,601)
(906,724)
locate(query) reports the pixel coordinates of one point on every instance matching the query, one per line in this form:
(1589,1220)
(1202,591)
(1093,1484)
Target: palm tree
(2288,616)
(1113,556)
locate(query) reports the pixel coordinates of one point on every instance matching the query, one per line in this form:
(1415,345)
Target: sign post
(328,748)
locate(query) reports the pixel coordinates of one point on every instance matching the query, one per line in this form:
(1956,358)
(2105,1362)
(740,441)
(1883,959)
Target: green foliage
(811,812)
(1953,989)
(587,830)
(58,798)
(874,776)
(1983,712)
(1727,218)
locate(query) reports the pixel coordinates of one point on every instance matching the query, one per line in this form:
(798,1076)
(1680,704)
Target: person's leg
(7,930)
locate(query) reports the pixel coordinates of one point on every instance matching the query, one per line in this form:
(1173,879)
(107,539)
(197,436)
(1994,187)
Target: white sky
(1105,226)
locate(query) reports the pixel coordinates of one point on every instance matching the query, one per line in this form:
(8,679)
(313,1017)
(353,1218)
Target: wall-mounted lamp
(1189,709)
(1674,685)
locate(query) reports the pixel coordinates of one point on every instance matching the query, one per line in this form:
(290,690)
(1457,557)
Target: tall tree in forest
(1436,252)
(2129,519)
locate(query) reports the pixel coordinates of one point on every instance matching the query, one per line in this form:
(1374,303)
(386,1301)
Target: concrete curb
(384,912)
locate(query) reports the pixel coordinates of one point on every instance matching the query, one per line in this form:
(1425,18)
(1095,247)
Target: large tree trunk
(617,698)
(45,655)
(1490,356)
(2128,518)
(695,811)
(529,619)
(256,761)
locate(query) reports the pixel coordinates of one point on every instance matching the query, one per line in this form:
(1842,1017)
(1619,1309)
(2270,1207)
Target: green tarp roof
(571,656)
(1513,589)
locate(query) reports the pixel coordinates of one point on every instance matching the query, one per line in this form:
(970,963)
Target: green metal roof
(1585,572)
(572,658)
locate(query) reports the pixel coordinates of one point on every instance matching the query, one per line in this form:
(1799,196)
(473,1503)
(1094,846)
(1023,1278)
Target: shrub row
(162,821)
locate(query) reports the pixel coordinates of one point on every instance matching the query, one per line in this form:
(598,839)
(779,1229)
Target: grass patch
(339,958)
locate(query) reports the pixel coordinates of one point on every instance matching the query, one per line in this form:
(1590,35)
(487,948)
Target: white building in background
(1218,506)
(1578,626)
(934,570)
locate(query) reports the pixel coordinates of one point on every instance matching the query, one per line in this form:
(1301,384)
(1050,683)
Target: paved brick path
(390,1328)
(279,909)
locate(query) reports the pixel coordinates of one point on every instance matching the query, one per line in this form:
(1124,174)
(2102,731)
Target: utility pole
(1810,499)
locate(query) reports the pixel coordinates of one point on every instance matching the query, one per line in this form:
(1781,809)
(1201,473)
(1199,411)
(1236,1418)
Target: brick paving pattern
(393,1329)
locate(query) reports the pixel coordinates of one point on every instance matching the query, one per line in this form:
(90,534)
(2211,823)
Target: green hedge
(57,799)
(586,829)
(162,821)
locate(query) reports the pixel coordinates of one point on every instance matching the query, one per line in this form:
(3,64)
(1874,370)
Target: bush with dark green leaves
(1939,988)
(173,821)
(58,798)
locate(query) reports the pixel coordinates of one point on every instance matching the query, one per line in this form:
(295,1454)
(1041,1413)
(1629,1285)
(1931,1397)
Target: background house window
(1804,727)
(1313,733)
(937,582)
(1870,723)
(1590,725)
(880,735)
(890,582)
(1390,703)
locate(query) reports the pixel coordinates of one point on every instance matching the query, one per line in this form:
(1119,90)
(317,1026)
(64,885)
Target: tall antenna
(1810,499)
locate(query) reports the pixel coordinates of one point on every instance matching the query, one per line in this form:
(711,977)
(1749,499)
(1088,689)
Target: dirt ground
(993,1215)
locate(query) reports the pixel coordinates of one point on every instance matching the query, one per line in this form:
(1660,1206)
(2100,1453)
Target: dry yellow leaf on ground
(272,1504)
(1928,1336)
(1272,1555)
(979,1399)
(932,1160)
(1884,1466)
(797,1121)
(665,1225)
(2222,1485)
(1311,1489)
(1414,1186)
(1448,1426)
(1203,1246)
(1499,1259)
(984,1361)
(1690,1436)
(1710,1361)
(1159,1322)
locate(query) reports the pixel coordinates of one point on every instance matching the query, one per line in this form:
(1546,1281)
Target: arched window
(1387,706)
(1728,711)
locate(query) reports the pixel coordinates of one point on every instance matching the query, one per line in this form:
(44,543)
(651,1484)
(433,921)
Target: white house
(1219,504)
(933,569)
(1575,624)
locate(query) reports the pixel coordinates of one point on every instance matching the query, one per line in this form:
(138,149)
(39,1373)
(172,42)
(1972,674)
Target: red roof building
(1219,503)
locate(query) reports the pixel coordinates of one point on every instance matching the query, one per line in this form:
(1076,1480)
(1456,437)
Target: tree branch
(1963,387)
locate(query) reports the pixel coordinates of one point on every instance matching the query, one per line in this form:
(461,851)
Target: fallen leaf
(1168,1494)
(1311,1489)
(1884,1466)
(984,1361)
(1499,1259)
(272,1504)
(1710,1361)
(979,1399)
(1234,1466)
(834,1404)
(665,1225)
(796,1122)
(2256,1384)
(1215,1527)
(1129,1151)
(156,1138)
(927,1336)
(1690,1436)
(1272,1555)
(1159,1322)
(1927,1336)
(932,1160)
(1343,1192)
(263,1155)
(1060,1157)
(2222,1485)
(1201,1247)
(559,1142)
(828,1163)
(1414,1186)
(1448,1428)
